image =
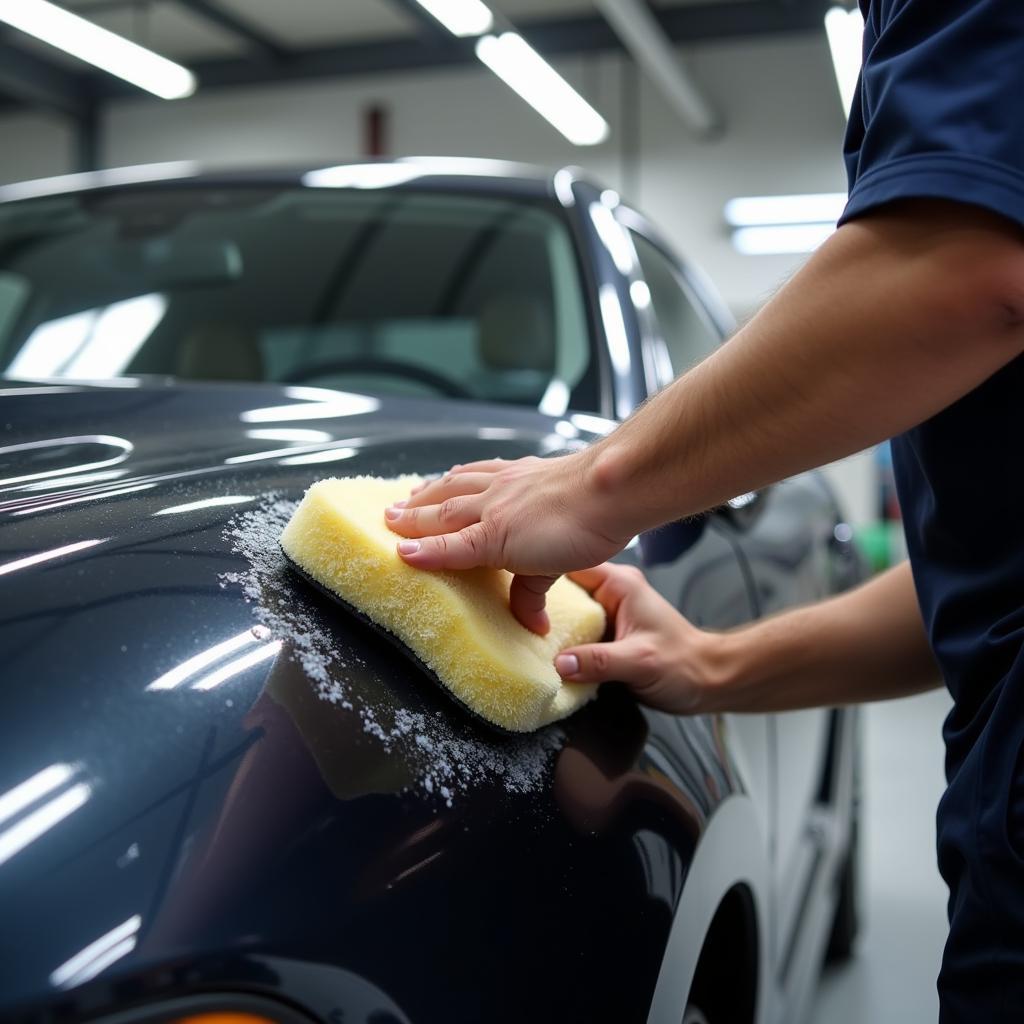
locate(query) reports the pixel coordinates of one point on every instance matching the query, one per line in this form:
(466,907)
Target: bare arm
(867,644)
(894,318)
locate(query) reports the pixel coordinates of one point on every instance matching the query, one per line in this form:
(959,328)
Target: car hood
(201,754)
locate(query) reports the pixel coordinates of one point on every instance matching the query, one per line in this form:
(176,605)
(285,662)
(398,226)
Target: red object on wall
(375,125)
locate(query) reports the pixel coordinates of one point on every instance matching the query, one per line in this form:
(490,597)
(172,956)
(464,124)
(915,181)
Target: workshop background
(705,102)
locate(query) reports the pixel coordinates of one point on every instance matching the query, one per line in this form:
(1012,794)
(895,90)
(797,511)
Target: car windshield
(396,292)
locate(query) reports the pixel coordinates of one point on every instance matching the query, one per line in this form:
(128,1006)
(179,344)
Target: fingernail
(408,547)
(392,513)
(401,504)
(567,664)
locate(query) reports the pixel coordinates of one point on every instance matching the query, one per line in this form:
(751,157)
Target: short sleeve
(939,110)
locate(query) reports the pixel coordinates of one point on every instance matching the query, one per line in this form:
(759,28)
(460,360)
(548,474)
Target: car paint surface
(232,809)
(255,818)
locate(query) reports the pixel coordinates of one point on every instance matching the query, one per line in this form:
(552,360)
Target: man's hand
(822,371)
(537,518)
(865,644)
(661,657)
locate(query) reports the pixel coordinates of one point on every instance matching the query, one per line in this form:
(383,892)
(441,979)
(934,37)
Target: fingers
(527,597)
(465,549)
(488,466)
(450,515)
(432,492)
(600,663)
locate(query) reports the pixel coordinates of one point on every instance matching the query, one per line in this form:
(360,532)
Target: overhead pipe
(652,49)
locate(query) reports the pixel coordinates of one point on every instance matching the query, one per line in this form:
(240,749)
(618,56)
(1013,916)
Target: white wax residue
(445,762)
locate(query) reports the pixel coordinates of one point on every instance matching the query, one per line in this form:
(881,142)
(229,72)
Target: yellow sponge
(457,623)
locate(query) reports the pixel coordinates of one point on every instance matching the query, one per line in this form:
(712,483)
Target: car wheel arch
(730,860)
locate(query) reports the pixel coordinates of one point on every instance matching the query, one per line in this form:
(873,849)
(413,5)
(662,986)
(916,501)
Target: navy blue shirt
(940,113)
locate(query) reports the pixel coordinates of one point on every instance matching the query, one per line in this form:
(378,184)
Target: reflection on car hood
(201,754)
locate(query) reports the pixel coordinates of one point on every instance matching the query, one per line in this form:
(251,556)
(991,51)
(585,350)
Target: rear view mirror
(163,263)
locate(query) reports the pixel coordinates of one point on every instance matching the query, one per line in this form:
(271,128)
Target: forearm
(867,644)
(893,319)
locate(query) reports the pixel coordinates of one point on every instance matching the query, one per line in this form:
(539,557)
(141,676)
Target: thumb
(527,597)
(616,660)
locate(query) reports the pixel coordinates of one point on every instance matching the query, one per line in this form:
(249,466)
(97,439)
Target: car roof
(466,173)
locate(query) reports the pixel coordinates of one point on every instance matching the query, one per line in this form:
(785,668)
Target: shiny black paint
(241,850)
(248,827)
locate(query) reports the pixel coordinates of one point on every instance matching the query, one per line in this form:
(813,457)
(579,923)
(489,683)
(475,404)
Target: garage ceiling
(253,42)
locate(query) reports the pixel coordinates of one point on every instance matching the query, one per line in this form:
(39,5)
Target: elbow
(982,291)
(1008,293)
(961,265)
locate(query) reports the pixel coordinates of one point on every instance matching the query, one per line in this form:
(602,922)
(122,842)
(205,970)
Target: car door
(783,539)
(706,578)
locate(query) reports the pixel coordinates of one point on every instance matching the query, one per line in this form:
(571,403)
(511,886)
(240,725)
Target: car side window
(685,326)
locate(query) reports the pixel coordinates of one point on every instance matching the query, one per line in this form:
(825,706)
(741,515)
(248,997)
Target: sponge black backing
(395,642)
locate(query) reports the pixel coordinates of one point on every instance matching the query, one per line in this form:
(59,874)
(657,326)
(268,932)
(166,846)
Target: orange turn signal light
(225,1017)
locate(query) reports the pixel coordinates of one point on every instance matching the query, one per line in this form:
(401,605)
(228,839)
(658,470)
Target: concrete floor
(892,976)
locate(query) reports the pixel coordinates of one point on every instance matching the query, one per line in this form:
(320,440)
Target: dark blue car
(219,794)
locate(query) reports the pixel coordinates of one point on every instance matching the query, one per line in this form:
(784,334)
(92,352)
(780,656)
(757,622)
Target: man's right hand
(538,518)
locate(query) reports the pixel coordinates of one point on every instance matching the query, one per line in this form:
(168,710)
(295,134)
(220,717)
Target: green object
(874,544)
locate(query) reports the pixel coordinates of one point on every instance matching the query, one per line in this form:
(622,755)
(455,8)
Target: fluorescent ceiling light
(177,675)
(313,458)
(116,337)
(460,17)
(195,506)
(48,556)
(233,668)
(33,789)
(405,169)
(555,399)
(313,407)
(780,238)
(614,328)
(640,293)
(97,955)
(361,176)
(813,208)
(845,31)
(614,238)
(296,434)
(562,183)
(14,839)
(526,72)
(106,50)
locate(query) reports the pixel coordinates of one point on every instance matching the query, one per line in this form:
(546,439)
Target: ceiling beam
(691,23)
(37,82)
(653,51)
(237,26)
(705,22)
(430,27)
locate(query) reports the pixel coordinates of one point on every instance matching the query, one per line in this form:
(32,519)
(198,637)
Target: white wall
(783,133)
(34,146)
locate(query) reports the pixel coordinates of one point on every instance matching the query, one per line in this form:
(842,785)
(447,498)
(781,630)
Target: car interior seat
(220,351)
(516,347)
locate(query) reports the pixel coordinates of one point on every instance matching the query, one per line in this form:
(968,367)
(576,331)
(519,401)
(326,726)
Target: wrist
(604,487)
(715,675)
